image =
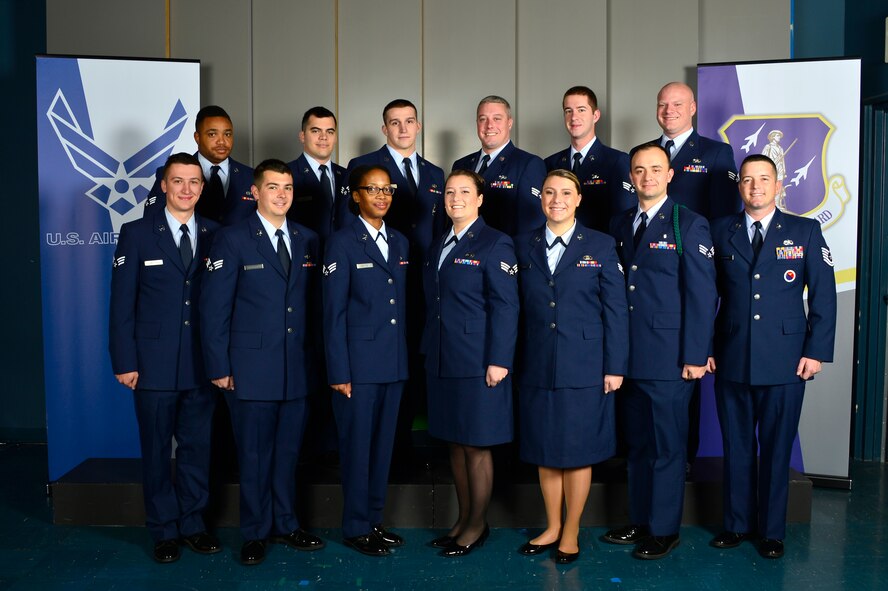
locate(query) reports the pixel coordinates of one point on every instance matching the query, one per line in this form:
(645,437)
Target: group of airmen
(638,273)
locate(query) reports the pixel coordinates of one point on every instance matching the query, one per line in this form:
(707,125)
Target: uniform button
(437,298)
(631,308)
(756,296)
(392,301)
(438,317)
(756,317)
(551,304)
(187,282)
(552,325)
(633,268)
(757,276)
(290,330)
(187,323)
(289,308)
(394,321)
(551,284)
(390,281)
(187,302)
(631,288)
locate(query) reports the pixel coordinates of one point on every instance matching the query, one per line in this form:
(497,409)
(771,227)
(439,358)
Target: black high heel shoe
(442,542)
(455,549)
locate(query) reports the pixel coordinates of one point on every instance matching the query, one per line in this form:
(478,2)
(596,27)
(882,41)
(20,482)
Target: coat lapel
(538,251)
(166,240)
(740,239)
(263,245)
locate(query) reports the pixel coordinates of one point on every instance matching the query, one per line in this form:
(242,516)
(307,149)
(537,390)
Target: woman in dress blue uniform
(574,353)
(469,342)
(365,271)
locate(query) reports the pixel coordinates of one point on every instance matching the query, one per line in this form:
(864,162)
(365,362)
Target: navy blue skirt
(566,428)
(466,411)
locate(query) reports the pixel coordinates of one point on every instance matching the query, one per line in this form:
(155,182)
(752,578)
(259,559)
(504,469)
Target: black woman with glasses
(471,292)
(364,289)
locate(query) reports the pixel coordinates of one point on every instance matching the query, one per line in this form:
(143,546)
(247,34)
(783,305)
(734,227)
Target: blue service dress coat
(365,307)
(254,316)
(154,327)
(705,177)
(672,298)
(604,183)
(310,207)
(761,334)
(512,193)
(574,331)
(419,217)
(154,330)
(762,331)
(239,203)
(471,323)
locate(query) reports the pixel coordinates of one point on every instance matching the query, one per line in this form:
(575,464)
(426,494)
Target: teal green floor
(844,547)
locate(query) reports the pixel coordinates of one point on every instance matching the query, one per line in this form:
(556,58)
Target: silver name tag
(253,267)
(364,266)
(154,263)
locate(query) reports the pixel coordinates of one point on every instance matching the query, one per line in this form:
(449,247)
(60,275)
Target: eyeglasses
(373,191)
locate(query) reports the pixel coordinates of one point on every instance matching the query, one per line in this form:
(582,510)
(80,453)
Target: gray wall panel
(380,59)
(294,69)
(648,47)
(106,27)
(466,58)
(218,33)
(743,31)
(559,45)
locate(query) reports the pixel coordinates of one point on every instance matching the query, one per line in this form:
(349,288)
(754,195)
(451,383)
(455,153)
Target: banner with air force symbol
(104,127)
(805,116)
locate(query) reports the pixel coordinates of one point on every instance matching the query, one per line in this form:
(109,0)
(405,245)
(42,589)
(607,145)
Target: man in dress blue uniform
(417,211)
(365,279)
(704,173)
(603,171)
(226,198)
(765,349)
(704,179)
(262,275)
(155,351)
(666,252)
(513,177)
(320,186)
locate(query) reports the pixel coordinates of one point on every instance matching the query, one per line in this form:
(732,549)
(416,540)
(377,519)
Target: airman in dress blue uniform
(469,344)
(666,252)
(513,177)
(320,186)
(255,307)
(155,350)
(765,349)
(603,171)
(365,313)
(226,198)
(574,354)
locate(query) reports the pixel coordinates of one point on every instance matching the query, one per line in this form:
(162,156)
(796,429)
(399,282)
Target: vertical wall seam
(167,46)
(336,69)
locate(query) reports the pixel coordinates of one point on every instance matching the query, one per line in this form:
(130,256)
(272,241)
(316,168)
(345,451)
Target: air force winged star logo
(798,146)
(121,185)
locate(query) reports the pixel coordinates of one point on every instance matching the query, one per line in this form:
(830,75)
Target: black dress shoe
(390,539)
(370,545)
(529,549)
(654,547)
(442,542)
(566,557)
(300,540)
(203,543)
(253,552)
(770,548)
(631,534)
(727,539)
(455,550)
(166,551)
